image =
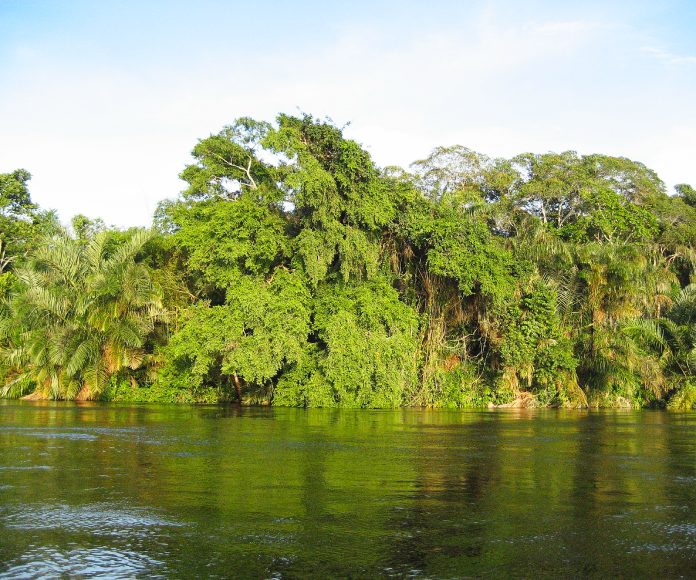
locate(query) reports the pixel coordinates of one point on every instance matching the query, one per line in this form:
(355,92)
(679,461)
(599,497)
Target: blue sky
(103,101)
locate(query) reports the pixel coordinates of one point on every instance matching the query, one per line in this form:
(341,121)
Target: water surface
(161,491)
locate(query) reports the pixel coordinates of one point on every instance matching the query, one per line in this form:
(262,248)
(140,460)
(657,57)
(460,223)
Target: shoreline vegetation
(293,271)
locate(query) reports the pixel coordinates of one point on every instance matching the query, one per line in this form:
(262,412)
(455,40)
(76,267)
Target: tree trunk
(237,386)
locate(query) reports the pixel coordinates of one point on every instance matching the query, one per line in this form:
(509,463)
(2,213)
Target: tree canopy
(293,270)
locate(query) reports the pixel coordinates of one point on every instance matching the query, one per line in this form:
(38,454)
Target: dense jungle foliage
(294,271)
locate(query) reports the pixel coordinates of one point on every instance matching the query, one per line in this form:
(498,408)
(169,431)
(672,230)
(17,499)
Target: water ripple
(105,562)
(24,467)
(98,519)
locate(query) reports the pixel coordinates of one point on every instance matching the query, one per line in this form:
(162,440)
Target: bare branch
(247,170)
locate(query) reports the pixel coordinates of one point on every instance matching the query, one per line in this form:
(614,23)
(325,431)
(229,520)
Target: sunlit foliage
(294,271)
(80,315)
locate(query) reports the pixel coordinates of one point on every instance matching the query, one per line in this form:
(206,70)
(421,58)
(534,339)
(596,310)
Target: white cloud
(106,140)
(667,56)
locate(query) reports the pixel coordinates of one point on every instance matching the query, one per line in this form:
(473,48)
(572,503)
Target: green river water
(170,491)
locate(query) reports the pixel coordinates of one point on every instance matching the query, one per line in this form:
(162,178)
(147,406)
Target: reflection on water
(122,491)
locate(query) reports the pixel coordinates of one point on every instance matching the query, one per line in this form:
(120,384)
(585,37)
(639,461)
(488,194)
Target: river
(182,491)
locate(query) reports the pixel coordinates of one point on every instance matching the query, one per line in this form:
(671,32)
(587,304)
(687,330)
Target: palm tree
(82,314)
(678,333)
(625,287)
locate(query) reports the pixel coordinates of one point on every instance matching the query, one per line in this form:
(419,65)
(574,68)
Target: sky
(103,101)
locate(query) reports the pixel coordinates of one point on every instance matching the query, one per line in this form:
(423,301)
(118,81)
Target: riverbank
(683,400)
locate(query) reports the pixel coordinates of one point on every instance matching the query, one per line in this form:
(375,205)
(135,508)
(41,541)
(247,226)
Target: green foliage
(296,272)
(595,197)
(458,385)
(225,240)
(338,196)
(684,399)
(194,353)
(276,321)
(303,384)
(535,353)
(227,164)
(261,329)
(80,314)
(366,352)
(687,193)
(22,224)
(85,228)
(457,245)
(463,249)
(608,217)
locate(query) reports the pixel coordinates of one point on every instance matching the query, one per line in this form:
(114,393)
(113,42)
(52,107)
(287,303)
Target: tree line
(294,271)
